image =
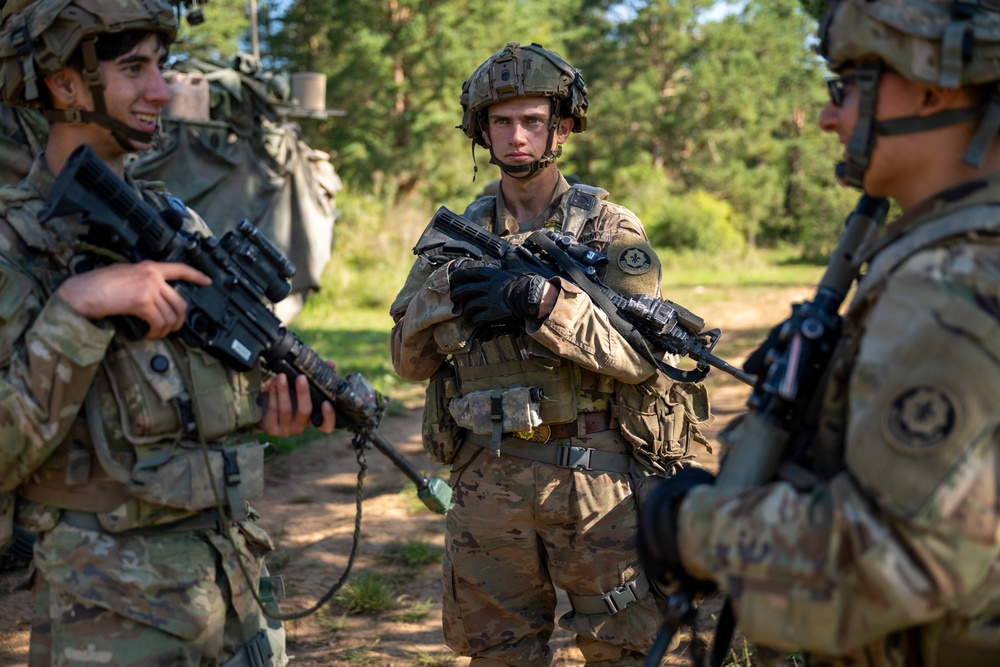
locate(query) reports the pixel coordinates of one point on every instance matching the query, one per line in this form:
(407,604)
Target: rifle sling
(632,335)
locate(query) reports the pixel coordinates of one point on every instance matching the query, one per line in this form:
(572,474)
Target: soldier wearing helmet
(546,489)
(114,450)
(877,541)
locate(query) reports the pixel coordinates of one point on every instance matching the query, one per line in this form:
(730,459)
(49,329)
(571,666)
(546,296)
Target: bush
(695,221)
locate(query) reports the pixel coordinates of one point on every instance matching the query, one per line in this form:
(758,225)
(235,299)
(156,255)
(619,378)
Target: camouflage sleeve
(911,529)
(578,330)
(423,303)
(49,355)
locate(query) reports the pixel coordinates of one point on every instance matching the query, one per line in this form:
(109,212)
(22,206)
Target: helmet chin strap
(122,133)
(861,144)
(859,147)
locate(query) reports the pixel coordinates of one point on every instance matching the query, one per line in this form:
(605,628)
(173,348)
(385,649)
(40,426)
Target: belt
(564,456)
(593,422)
(206,520)
(613,601)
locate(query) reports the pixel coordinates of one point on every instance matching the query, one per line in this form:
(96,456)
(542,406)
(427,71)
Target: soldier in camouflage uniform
(888,552)
(134,460)
(549,419)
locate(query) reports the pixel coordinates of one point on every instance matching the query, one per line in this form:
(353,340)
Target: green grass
(413,555)
(368,593)
(416,612)
(425,659)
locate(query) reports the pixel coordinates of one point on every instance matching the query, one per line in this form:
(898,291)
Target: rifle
(229,318)
(781,402)
(553,254)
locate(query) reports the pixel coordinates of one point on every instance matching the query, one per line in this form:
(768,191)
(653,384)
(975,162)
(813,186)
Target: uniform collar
(507,225)
(984,190)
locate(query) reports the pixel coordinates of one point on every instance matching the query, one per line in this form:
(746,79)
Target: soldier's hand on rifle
(658,527)
(759,361)
(490,295)
(141,290)
(285,415)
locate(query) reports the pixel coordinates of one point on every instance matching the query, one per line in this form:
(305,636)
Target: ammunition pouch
(510,361)
(513,410)
(660,419)
(440,434)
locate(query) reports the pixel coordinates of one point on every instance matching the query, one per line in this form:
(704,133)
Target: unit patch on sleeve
(634,260)
(920,418)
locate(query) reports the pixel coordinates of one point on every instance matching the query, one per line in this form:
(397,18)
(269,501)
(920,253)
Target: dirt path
(309,511)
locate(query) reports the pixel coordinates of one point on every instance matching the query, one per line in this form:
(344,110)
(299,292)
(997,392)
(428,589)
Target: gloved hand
(758,362)
(490,295)
(658,547)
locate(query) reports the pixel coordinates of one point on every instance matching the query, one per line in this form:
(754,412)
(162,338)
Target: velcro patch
(634,260)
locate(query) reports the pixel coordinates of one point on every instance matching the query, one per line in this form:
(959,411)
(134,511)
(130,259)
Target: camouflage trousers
(173,600)
(519,529)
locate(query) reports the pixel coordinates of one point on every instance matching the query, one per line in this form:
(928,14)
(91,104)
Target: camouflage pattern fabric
(897,550)
(141,601)
(521,528)
(22,134)
(517,530)
(166,592)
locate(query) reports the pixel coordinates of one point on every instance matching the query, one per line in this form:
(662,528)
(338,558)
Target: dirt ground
(308,508)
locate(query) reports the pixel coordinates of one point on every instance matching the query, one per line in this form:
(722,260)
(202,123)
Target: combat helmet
(946,43)
(39,37)
(523,71)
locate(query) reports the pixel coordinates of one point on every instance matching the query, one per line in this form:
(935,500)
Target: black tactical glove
(658,547)
(491,295)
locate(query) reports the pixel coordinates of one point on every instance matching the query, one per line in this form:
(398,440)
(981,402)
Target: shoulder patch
(634,260)
(919,419)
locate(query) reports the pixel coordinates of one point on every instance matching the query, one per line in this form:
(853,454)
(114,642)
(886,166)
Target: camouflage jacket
(575,329)
(583,364)
(895,550)
(153,402)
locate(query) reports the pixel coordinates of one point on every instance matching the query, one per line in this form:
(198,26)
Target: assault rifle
(229,318)
(550,254)
(798,358)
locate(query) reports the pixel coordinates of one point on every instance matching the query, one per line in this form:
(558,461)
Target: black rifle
(550,254)
(783,399)
(229,318)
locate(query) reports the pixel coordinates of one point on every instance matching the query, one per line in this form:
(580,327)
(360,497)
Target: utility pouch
(660,419)
(518,410)
(441,435)
(197,479)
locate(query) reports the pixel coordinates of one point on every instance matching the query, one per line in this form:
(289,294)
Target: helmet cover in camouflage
(523,71)
(935,42)
(38,37)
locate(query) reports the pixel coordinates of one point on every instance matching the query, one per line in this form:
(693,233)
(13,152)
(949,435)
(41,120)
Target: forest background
(702,120)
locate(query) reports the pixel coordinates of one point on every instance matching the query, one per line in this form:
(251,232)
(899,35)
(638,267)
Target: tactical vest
(510,358)
(165,432)
(658,418)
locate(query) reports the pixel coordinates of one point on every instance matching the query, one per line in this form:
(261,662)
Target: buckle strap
(255,653)
(564,456)
(614,600)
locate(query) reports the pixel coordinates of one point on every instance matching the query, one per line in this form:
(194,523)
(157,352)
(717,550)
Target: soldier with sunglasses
(881,546)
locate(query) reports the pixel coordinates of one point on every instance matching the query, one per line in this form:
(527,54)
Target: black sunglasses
(837,85)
